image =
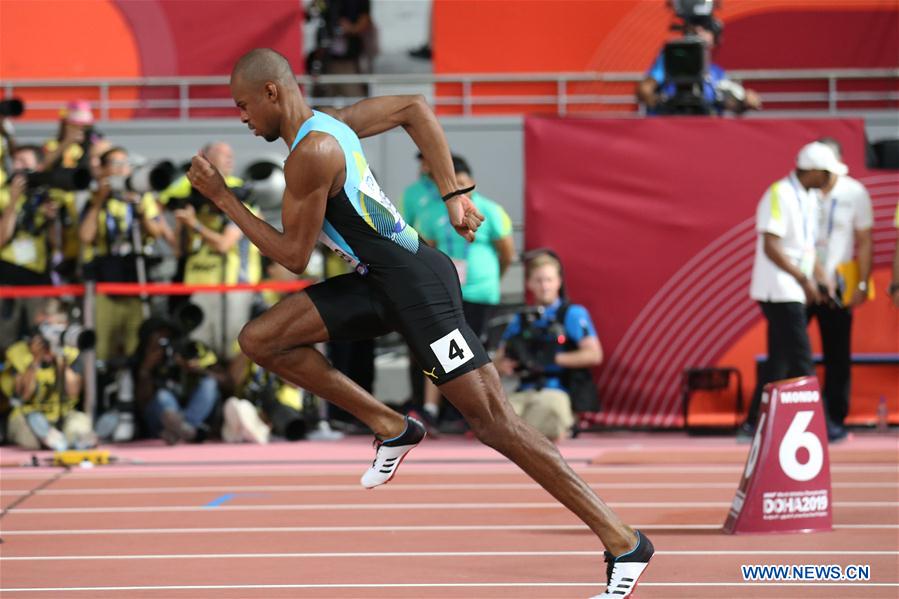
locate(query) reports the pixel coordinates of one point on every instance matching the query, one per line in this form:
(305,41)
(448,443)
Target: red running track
(290,520)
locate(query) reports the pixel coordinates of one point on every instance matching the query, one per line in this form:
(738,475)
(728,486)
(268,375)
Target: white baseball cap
(817,156)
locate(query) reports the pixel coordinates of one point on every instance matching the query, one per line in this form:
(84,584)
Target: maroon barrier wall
(654,220)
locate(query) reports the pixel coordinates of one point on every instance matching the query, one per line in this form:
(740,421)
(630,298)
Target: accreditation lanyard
(833,208)
(803,213)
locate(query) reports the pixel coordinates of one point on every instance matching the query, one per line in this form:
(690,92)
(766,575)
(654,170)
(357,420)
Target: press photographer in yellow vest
(28,219)
(116,225)
(76,145)
(215,252)
(43,376)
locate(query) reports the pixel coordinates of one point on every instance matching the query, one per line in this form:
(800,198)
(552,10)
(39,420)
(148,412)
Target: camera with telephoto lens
(285,420)
(536,345)
(145,178)
(66,179)
(11,107)
(177,345)
(60,336)
(265,184)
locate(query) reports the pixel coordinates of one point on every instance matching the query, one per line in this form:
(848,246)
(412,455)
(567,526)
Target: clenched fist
(464,217)
(207,180)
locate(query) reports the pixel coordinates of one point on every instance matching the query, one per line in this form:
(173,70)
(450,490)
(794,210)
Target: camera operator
(215,252)
(661,95)
(42,376)
(72,148)
(115,226)
(551,349)
(176,382)
(26,218)
(345,44)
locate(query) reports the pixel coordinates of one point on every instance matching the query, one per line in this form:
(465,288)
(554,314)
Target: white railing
(182,100)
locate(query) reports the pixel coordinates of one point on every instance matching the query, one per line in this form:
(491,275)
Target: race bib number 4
(452,351)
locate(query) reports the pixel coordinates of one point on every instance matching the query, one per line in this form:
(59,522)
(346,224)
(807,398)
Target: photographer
(345,44)
(711,92)
(176,383)
(42,376)
(215,252)
(27,216)
(115,226)
(71,150)
(551,349)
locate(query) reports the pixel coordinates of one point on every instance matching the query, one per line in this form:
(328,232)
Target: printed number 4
(455,351)
(796,437)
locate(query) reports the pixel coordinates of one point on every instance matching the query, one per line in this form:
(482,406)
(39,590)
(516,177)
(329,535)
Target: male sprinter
(399,283)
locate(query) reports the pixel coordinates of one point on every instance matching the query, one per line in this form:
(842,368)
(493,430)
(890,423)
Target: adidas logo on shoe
(623,571)
(389,454)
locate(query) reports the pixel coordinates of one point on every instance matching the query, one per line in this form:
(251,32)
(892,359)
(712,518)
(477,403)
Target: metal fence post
(104,101)
(89,315)
(466,97)
(832,94)
(562,101)
(184,100)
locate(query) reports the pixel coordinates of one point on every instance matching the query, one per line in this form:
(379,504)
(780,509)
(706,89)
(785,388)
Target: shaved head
(261,65)
(266,93)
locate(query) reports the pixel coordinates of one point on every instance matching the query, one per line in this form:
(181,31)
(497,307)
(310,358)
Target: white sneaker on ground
(324,432)
(243,424)
(623,571)
(390,453)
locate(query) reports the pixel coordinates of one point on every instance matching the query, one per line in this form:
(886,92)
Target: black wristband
(458,192)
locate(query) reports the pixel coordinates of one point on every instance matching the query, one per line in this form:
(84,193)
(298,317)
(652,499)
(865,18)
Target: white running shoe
(623,571)
(390,453)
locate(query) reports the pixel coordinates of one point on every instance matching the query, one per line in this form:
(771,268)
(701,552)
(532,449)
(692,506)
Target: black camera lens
(12,107)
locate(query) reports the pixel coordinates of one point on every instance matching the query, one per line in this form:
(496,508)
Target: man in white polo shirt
(845,219)
(784,275)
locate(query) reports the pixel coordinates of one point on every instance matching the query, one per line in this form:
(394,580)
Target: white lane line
(412,469)
(592,554)
(398,487)
(435,585)
(314,507)
(355,529)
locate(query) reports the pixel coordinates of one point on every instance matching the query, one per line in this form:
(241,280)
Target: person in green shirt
(419,195)
(479,264)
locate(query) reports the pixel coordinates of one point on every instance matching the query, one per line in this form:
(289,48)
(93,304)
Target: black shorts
(420,297)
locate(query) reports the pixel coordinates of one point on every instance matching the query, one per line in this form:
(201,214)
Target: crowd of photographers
(74,209)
